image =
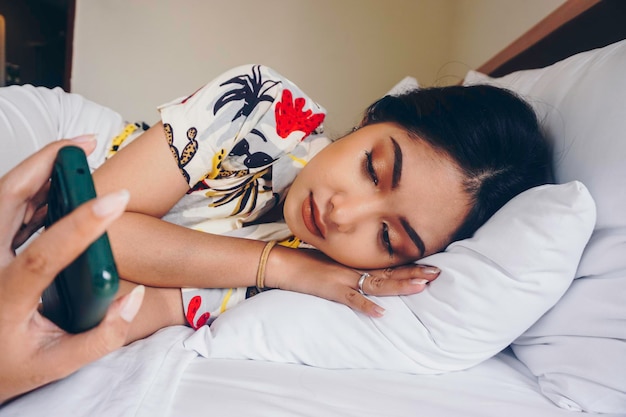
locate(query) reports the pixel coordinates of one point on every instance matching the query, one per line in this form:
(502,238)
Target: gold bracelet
(260,273)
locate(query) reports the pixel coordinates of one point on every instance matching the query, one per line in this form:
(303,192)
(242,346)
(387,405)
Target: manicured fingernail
(430,269)
(110,204)
(131,305)
(379,311)
(419,281)
(84,138)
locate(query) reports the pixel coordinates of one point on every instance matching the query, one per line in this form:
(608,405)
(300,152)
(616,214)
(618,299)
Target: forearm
(153,252)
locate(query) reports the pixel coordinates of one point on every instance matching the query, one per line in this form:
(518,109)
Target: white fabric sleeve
(250,110)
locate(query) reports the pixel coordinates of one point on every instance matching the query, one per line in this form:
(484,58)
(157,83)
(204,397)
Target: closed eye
(386,241)
(368,167)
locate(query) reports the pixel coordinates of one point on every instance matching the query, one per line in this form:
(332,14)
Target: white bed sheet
(253,388)
(159,377)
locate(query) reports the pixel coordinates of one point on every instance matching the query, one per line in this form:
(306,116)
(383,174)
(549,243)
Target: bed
(549,339)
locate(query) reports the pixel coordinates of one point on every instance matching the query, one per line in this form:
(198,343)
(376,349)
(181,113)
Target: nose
(346,211)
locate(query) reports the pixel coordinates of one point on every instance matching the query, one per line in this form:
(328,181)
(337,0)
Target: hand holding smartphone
(80,295)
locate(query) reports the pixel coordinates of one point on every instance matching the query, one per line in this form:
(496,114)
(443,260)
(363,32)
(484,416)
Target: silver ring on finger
(364,276)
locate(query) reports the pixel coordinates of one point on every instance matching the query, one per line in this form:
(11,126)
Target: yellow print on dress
(117,141)
(245,194)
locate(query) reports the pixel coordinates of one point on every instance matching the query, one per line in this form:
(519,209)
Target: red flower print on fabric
(290,117)
(192,310)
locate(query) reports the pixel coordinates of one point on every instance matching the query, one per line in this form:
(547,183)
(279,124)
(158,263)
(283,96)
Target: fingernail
(111,203)
(379,311)
(419,281)
(131,305)
(430,269)
(84,138)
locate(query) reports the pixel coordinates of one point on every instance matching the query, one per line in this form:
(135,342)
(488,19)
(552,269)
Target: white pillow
(578,349)
(492,287)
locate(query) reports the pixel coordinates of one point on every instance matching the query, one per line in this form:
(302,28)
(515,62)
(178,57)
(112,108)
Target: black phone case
(80,295)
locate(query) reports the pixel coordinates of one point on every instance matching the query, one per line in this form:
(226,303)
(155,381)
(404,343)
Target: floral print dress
(239,141)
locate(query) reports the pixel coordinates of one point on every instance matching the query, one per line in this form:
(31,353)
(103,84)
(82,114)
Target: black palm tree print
(252,91)
(254,159)
(246,193)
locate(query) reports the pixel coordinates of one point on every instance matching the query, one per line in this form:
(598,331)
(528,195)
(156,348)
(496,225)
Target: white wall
(133,55)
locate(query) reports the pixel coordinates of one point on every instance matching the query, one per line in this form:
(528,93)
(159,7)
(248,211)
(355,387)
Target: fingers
(403,280)
(22,183)
(35,223)
(406,280)
(33,269)
(37,201)
(359,302)
(76,350)
(427,272)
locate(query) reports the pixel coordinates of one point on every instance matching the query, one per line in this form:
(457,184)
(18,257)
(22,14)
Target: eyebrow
(397,164)
(395,180)
(415,238)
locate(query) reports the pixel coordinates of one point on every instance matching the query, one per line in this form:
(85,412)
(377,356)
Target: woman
(243,153)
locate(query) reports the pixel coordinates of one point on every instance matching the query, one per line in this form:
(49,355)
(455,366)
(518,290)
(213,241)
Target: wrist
(275,267)
(261,268)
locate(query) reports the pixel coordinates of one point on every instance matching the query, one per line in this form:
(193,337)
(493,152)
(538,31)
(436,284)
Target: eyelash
(385,239)
(371,173)
(369,168)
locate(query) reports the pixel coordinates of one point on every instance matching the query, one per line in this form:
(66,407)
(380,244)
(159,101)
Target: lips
(311,217)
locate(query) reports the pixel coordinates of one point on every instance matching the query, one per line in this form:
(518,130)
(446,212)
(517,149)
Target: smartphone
(80,295)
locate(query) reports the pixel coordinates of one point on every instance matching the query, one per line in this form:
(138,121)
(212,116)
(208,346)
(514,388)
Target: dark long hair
(492,135)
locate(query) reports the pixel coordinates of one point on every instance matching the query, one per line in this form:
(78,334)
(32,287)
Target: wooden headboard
(576,26)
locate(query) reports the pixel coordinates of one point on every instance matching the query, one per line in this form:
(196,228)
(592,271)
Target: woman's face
(377,198)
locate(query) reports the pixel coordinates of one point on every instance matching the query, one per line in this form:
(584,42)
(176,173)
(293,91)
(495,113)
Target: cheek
(292,210)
